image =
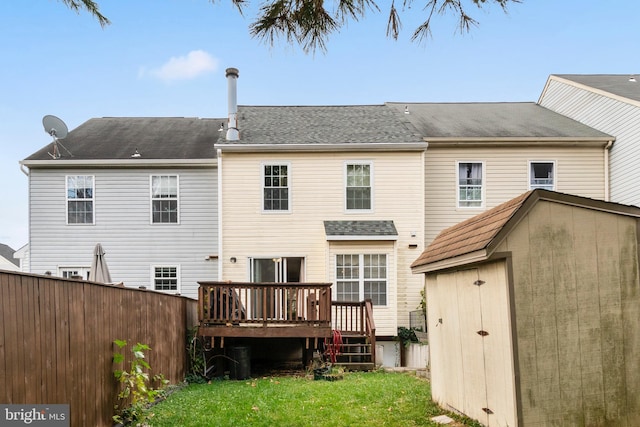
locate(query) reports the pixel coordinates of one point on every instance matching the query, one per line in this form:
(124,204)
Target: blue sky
(167,58)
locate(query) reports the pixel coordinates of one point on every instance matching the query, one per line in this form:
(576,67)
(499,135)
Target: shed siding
(579,170)
(576,300)
(123,225)
(316,183)
(610,115)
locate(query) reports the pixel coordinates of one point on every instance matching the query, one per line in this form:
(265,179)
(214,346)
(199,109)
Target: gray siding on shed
(123,226)
(609,114)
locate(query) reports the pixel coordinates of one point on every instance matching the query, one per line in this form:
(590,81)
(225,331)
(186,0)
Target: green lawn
(360,399)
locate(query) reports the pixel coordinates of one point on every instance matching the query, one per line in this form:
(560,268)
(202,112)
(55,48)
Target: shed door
(477,343)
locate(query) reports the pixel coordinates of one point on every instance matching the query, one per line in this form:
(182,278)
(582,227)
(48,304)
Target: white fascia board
(120,163)
(404,146)
(458,261)
(351,238)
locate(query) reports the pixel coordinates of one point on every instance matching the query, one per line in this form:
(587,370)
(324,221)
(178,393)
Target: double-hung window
(360,277)
(80,190)
(470,184)
(541,175)
(275,187)
(164,199)
(358,191)
(166,278)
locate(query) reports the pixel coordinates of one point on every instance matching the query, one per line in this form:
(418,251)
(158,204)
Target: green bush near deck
(360,399)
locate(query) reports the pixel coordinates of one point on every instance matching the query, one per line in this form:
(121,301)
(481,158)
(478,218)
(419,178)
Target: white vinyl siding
(123,227)
(248,233)
(506,176)
(611,115)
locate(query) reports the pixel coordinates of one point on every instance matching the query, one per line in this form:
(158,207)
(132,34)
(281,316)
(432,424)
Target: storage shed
(534,313)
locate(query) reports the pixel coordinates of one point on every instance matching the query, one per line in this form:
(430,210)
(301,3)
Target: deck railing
(235,303)
(355,318)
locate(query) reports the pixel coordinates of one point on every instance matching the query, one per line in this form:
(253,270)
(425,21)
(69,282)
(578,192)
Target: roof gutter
(120,163)
(321,147)
(508,141)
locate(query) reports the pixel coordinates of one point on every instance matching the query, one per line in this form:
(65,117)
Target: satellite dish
(54,127)
(58,130)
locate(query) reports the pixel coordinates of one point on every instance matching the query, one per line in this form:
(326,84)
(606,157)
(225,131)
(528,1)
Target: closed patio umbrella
(99,270)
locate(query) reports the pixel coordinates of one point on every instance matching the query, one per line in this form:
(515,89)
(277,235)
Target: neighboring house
(611,104)
(482,154)
(534,307)
(7,259)
(144,188)
(326,194)
(22,255)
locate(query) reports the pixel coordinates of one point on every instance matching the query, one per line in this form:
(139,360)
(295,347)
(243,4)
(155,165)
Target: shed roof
(482,233)
(616,84)
(315,125)
(118,138)
(499,120)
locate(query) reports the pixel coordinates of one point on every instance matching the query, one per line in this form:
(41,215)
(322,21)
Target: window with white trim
(358,191)
(275,187)
(80,191)
(360,277)
(470,184)
(541,175)
(74,272)
(164,199)
(166,278)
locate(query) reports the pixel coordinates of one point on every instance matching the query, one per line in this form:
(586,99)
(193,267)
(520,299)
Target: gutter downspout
(220,251)
(607,149)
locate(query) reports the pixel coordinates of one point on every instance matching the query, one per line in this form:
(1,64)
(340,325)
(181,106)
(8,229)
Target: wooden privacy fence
(56,341)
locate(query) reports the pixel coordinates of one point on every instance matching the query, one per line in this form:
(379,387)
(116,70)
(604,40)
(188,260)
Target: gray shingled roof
(492,120)
(7,252)
(113,138)
(323,125)
(360,228)
(616,84)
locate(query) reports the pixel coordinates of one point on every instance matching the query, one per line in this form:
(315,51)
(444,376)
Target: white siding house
(326,194)
(611,104)
(483,154)
(146,191)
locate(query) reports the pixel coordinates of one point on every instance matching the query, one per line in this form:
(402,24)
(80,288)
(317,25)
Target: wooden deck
(288,310)
(282,310)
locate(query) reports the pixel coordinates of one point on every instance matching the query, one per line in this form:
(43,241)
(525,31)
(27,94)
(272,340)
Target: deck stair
(355,331)
(355,353)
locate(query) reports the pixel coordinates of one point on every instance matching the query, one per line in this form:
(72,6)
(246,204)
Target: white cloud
(194,64)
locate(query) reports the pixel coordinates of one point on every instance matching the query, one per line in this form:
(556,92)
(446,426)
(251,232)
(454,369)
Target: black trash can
(240,368)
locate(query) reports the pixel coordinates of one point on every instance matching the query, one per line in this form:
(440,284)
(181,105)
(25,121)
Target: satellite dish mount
(58,130)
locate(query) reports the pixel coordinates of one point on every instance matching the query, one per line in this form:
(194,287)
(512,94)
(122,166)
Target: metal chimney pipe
(232,125)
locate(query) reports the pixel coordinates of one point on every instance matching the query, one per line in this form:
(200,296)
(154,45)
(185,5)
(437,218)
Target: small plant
(197,366)
(136,386)
(407,335)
